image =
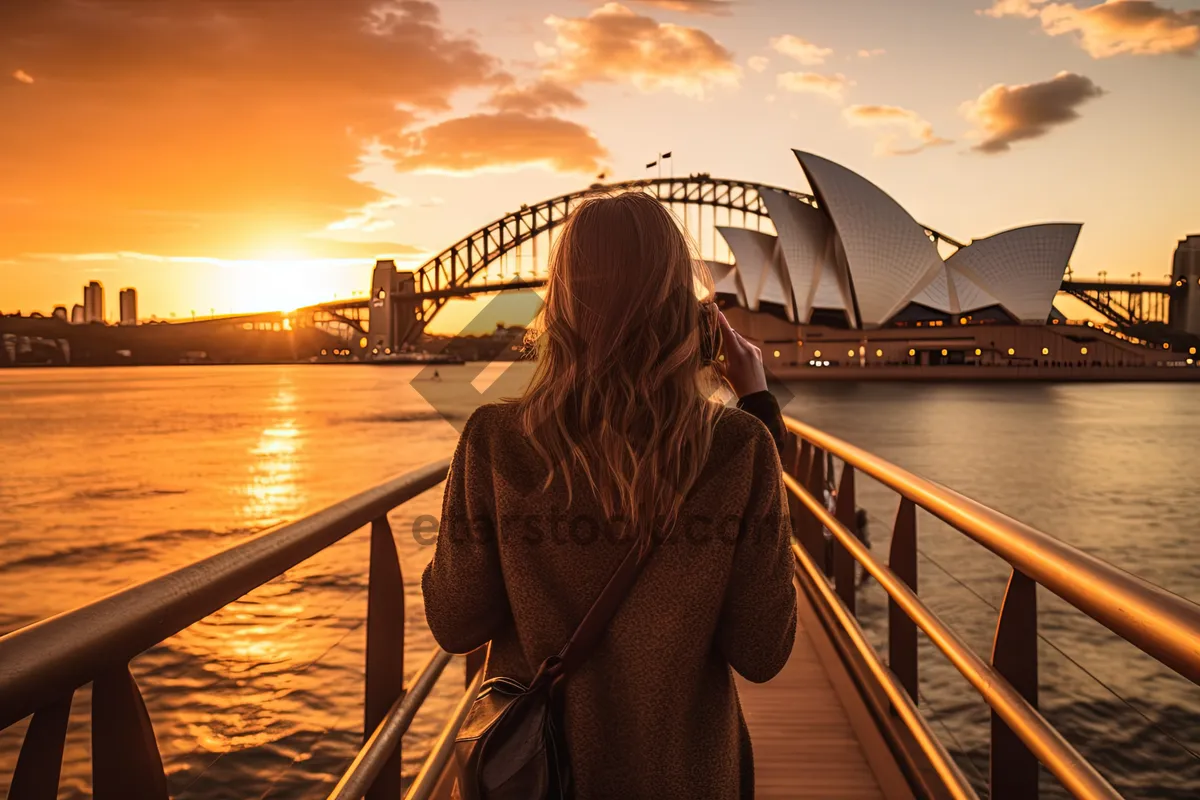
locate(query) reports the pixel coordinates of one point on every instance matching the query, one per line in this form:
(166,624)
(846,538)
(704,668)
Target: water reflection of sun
(256,653)
(270,492)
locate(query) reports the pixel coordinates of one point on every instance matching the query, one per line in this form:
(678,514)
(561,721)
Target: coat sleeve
(466,604)
(764,406)
(758,618)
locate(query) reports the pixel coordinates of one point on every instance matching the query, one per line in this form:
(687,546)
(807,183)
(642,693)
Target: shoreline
(971,373)
(947,373)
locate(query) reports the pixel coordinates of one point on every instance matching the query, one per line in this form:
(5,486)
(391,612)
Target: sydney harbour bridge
(512,253)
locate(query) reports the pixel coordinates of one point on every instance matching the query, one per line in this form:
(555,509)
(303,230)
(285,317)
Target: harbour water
(111,476)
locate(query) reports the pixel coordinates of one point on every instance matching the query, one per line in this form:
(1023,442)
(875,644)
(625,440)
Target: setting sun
(288,283)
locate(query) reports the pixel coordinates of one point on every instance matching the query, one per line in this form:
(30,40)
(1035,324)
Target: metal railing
(1161,624)
(42,665)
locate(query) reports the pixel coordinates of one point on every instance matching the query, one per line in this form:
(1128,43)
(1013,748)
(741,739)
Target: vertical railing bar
(804,460)
(39,765)
(811,535)
(125,758)
(902,631)
(844,570)
(1014,769)
(794,452)
(790,453)
(384,682)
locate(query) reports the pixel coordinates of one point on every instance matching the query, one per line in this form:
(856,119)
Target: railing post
(797,453)
(843,561)
(902,631)
(1014,770)
(39,765)
(804,456)
(787,456)
(810,527)
(385,649)
(803,459)
(125,758)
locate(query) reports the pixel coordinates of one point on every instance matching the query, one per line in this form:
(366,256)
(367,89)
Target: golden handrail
(1161,624)
(1071,768)
(1158,622)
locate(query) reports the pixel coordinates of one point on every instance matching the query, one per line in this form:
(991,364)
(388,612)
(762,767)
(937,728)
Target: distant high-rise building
(60,312)
(1186,267)
(93,302)
(129,306)
(78,314)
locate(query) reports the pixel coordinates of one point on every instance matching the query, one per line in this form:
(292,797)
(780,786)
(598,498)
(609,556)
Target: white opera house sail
(857,253)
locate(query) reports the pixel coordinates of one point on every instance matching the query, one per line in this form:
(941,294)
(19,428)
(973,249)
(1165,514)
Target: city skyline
(253,181)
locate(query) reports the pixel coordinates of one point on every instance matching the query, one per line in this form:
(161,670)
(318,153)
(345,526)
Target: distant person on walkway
(436,376)
(864,536)
(615,448)
(830,506)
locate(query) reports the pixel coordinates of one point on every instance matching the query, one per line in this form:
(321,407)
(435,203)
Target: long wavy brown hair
(620,389)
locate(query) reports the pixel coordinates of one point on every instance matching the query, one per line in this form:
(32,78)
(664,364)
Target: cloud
(829,85)
(1011,8)
(23,76)
(758,63)
(537,98)
(801,50)
(1114,27)
(1007,114)
(370,217)
(717,7)
(912,125)
(211,126)
(501,141)
(615,44)
(871,53)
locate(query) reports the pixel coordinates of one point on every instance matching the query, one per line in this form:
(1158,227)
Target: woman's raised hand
(743,364)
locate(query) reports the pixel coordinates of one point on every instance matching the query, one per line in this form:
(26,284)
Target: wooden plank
(804,745)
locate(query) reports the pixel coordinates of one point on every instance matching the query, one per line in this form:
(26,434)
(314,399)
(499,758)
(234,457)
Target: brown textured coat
(654,713)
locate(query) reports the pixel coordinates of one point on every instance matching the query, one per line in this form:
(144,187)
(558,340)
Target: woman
(616,444)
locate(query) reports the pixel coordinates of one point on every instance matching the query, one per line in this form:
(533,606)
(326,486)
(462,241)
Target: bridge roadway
(1100,296)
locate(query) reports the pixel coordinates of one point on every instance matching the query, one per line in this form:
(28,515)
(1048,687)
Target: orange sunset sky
(244,155)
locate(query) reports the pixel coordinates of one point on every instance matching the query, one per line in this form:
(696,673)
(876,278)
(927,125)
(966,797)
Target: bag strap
(591,629)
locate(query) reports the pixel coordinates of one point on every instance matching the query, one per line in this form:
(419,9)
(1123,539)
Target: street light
(1103,275)
(1137,277)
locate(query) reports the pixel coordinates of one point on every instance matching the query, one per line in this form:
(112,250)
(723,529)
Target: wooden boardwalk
(804,743)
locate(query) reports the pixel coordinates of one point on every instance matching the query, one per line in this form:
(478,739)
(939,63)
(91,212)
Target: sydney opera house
(854,279)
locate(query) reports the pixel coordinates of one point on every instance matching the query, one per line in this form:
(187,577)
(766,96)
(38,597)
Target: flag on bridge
(666,155)
(652,164)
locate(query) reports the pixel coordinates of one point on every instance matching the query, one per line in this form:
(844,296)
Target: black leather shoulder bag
(511,745)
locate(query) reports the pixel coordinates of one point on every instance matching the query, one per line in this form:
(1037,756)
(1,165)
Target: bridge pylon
(1185,308)
(394,320)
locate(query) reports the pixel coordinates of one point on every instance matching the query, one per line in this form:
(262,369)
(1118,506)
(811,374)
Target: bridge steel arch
(460,263)
(1125,304)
